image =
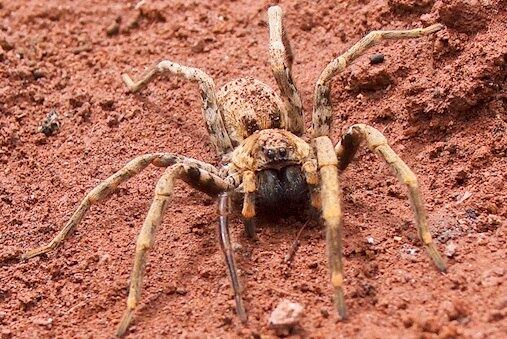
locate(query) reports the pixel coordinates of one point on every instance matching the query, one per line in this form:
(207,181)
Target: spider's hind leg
(377,143)
(101,192)
(281,63)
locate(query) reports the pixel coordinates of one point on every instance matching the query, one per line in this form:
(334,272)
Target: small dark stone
(377,58)
(114,28)
(37,74)
(471,213)
(181,291)
(51,124)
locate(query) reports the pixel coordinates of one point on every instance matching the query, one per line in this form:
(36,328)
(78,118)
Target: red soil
(440,100)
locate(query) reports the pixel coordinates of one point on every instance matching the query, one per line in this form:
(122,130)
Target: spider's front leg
(332,215)
(377,143)
(211,109)
(195,176)
(322,112)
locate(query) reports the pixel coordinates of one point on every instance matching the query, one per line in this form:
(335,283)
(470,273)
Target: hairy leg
(322,114)
(163,193)
(332,215)
(377,143)
(281,64)
(211,109)
(310,170)
(105,188)
(248,211)
(225,244)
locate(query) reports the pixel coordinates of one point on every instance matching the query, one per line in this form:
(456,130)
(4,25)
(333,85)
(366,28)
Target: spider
(265,160)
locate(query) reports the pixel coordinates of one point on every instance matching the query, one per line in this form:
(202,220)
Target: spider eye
(282,151)
(270,154)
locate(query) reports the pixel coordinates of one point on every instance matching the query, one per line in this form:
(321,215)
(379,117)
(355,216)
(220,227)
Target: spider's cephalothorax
(283,167)
(264,158)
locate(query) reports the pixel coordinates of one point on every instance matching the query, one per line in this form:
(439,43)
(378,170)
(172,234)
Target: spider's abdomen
(281,191)
(249,105)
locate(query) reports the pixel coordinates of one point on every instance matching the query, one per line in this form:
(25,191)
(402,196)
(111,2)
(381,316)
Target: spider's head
(275,147)
(270,148)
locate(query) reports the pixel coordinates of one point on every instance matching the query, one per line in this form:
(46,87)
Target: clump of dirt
(441,101)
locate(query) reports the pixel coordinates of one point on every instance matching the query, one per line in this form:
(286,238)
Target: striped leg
(377,143)
(197,178)
(322,115)
(332,215)
(211,109)
(281,63)
(104,189)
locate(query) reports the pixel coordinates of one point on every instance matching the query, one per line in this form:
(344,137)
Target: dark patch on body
(275,118)
(283,191)
(251,125)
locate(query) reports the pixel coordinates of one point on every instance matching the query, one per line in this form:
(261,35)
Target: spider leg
(211,109)
(248,210)
(281,64)
(105,188)
(377,143)
(322,114)
(225,244)
(197,178)
(310,169)
(332,215)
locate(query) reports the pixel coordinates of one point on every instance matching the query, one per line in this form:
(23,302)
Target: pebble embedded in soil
(43,322)
(450,249)
(114,28)
(51,124)
(285,316)
(377,58)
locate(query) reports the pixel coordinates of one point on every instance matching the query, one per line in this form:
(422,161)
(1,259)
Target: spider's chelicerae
(265,160)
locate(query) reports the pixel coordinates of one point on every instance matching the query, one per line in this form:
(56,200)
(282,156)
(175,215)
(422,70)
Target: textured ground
(440,100)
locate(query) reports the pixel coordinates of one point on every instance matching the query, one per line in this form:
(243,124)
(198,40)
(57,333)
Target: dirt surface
(440,100)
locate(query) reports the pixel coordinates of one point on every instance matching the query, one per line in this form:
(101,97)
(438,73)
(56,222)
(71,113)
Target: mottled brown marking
(249,105)
(250,124)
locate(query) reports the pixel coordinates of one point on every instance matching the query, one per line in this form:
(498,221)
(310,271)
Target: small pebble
(114,28)
(181,291)
(324,313)
(285,316)
(377,58)
(450,249)
(198,47)
(51,124)
(42,322)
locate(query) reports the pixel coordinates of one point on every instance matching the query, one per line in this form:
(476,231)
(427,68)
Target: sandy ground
(440,100)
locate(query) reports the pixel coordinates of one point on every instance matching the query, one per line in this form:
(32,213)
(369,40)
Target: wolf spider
(265,160)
